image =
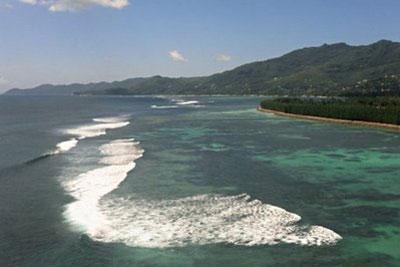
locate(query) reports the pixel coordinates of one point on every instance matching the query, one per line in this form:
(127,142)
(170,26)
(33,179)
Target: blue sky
(65,41)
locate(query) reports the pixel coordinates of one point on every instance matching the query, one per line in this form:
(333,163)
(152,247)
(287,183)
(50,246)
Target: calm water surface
(191,181)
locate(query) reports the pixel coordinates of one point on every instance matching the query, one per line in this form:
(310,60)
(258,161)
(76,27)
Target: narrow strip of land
(332,120)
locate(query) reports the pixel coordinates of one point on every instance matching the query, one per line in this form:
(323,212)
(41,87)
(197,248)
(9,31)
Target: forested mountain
(75,88)
(325,70)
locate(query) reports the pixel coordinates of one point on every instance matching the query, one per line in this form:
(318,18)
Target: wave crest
(66,145)
(204,219)
(94,130)
(201,219)
(88,188)
(163,107)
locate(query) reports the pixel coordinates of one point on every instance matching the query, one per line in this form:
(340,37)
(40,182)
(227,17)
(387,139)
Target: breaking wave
(66,145)
(110,119)
(188,103)
(82,132)
(61,147)
(200,219)
(163,107)
(184,103)
(98,129)
(88,188)
(205,219)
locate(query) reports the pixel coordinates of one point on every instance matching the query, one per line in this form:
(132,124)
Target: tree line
(372,109)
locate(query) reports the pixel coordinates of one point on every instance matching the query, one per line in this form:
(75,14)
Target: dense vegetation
(383,86)
(375,109)
(335,69)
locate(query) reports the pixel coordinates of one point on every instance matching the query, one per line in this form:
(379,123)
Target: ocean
(191,181)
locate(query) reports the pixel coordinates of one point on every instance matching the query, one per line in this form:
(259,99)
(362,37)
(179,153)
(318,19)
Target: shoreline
(332,120)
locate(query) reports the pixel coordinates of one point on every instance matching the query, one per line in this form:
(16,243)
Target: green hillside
(325,70)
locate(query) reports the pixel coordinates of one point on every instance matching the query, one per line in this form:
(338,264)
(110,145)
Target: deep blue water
(152,181)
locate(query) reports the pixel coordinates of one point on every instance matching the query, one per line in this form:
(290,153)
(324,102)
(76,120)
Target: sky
(66,41)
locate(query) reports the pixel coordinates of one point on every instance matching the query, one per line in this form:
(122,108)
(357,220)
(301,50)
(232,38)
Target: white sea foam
(66,145)
(98,129)
(201,219)
(87,131)
(163,107)
(190,102)
(88,188)
(110,119)
(206,219)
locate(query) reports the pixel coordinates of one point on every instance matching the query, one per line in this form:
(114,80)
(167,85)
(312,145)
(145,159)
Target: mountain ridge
(329,69)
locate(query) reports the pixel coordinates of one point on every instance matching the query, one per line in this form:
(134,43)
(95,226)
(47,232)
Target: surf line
(200,219)
(82,132)
(90,187)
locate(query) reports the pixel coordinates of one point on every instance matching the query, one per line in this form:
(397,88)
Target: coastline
(332,120)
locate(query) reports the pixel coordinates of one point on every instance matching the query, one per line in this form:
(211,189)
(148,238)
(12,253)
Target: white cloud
(176,56)
(74,5)
(223,58)
(29,2)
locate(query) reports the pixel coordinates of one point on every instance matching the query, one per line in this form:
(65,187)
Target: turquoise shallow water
(209,188)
